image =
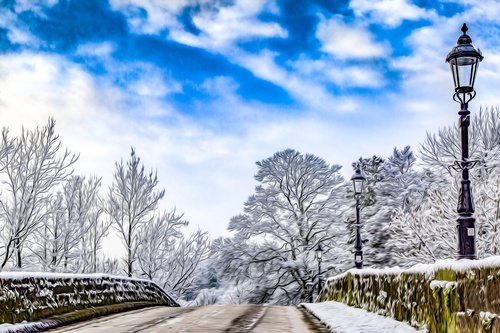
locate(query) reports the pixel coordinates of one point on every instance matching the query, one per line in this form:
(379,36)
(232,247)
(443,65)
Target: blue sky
(205,88)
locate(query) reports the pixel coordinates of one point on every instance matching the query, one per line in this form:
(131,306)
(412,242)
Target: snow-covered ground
(341,318)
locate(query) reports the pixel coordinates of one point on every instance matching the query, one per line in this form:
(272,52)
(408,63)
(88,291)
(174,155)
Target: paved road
(215,318)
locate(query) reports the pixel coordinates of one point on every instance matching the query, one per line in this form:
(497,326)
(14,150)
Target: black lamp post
(358,181)
(464,60)
(319,257)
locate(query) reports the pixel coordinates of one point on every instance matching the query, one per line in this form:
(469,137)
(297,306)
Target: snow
(27,327)
(457,265)
(341,318)
(59,276)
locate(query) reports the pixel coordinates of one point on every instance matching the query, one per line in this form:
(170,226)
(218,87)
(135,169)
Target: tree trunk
(18,254)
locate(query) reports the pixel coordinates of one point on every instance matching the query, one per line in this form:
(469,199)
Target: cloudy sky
(205,88)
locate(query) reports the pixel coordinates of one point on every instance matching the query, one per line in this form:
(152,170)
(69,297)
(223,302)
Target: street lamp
(319,257)
(464,60)
(358,181)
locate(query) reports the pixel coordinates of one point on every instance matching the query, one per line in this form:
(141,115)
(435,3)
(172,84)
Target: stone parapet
(448,296)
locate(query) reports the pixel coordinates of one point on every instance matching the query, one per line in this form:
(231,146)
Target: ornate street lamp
(358,182)
(319,257)
(464,60)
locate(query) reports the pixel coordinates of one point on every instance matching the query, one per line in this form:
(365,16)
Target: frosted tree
(400,186)
(58,244)
(441,150)
(205,286)
(156,243)
(31,170)
(131,202)
(80,196)
(91,243)
(185,257)
(425,232)
(299,204)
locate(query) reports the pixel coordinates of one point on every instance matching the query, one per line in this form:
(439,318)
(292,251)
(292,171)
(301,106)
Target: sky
(203,89)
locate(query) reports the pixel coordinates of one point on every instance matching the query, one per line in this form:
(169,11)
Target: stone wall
(449,296)
(36,296)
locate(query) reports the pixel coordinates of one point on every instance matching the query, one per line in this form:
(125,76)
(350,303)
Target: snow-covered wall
(32,296)
(448,296)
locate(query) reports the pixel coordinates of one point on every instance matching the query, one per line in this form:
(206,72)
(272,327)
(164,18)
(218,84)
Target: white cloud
(349,41)
(151,82)
(17,32)
(482,12)
(312,94)
(159,14)
(33,5)
(221,28)
(390,12)
(98,50)
(345,75)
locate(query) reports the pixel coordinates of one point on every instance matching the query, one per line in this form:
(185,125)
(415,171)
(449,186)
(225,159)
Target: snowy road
(220,318)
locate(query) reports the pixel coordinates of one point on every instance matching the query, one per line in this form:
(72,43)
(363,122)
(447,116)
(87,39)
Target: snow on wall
(32,296)
(448,296)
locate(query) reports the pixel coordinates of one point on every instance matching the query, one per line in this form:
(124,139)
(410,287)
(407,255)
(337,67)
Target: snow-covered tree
(31,169)
(427,231)
(157,240)
(400,186)
(91,243)
(131,202)
(299,204)
(59,245)
(186,255)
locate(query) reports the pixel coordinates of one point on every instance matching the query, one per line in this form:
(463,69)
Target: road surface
(214,318)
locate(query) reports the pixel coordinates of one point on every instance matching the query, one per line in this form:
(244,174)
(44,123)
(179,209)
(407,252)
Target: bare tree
(31,170)
(131,202)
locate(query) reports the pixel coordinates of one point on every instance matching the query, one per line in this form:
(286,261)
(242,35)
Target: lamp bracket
(466,164)
(464,97)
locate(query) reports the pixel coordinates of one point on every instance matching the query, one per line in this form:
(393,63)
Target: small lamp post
(358,182)
(310,288)
(464,60)
(319,257)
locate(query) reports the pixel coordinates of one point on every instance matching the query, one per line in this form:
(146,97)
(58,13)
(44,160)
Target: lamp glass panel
(319,253)
(358,185)
(463,70)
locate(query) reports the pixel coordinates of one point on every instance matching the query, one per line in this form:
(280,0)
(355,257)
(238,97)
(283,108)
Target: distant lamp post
(464,60)
(358,182)
(319,257)
(310,288)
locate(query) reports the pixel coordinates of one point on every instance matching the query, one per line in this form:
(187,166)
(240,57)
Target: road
(214,318)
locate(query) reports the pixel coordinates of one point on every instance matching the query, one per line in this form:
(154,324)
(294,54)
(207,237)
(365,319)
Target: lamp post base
(466,237)
(358,259)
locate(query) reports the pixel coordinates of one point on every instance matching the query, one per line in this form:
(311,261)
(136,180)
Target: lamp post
(319,257)
(464,60)
(358,181)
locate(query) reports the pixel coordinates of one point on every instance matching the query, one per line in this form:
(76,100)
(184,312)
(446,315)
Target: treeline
(408,216)
(53,220)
